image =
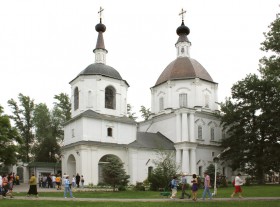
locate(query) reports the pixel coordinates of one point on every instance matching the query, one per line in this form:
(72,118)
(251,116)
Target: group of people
(7,182)
(194,188)
(207,185)
(56,181)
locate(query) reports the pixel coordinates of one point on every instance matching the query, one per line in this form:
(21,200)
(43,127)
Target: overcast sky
(44,44)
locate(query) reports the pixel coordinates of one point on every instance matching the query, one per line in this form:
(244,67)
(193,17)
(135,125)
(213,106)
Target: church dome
(101,69)
(183,68)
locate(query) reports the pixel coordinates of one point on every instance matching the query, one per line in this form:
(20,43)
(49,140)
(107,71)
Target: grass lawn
(249,191)
(33,203)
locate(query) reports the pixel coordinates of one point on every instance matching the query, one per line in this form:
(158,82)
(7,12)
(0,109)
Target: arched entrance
(71,165)
(20,173)
(101,163)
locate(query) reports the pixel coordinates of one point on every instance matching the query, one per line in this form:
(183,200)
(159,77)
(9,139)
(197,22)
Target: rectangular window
(199,132)
(200,170)
(161,104)
(212,134)
(183,98)
(73,133)
(207,101)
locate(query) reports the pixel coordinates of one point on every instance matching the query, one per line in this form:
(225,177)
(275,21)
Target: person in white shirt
(237,185)
(0,181)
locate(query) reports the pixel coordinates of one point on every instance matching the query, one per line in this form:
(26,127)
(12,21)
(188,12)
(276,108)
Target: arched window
(76,98)
(110,98)
(109,132)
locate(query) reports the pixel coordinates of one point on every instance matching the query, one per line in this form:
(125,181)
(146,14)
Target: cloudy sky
(44,44)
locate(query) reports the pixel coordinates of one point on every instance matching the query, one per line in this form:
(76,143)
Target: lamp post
(216,160)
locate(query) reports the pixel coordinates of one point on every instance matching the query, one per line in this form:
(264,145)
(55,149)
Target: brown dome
(183,68)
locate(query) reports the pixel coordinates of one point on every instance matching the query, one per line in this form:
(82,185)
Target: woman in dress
(194,187)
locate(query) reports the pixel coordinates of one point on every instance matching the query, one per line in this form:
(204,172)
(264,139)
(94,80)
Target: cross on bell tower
(100,13)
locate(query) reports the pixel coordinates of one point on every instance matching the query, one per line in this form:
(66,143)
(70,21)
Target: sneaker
(65,197)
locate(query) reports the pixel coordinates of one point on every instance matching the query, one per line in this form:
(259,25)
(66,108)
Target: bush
(247,181)
(121,188)
(139,187)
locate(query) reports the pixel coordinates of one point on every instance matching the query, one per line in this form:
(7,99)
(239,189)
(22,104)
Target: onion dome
(100,27)
(183,30)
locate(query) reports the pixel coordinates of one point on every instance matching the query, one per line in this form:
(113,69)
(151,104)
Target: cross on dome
(182,13)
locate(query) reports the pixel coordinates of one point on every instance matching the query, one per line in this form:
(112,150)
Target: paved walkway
(25,187)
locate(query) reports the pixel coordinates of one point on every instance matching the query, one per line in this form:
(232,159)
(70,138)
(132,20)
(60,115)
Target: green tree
(23,118)
(145,112)
(46,145)
(114,173)
(252,116)
(61,113)
(165,169)
(9,140)
(49,127)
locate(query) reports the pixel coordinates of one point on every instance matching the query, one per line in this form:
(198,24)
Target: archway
(101,163)
(71,165)
(20,173)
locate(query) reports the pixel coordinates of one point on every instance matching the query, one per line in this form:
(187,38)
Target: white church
(183,105)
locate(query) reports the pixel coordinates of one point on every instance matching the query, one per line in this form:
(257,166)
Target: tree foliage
(46,145)
(9,140)
(145,112)
(130,114)
(23,118)
(40,128)
(165,169)
(252,116)
(114,173)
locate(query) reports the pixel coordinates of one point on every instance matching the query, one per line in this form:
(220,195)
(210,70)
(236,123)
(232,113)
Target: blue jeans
(206,190)
(67,189)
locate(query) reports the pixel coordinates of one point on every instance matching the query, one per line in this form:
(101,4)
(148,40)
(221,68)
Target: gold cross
(182,13)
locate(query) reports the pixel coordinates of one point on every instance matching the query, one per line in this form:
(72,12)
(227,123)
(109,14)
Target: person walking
(5,185)
(237,186)
(73,181)
(82,181)
(174,187)
(194,187)
(184,186)
(32,186)
(78,180)
(67,187)
(207,186)
(10,185)
(58,182)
